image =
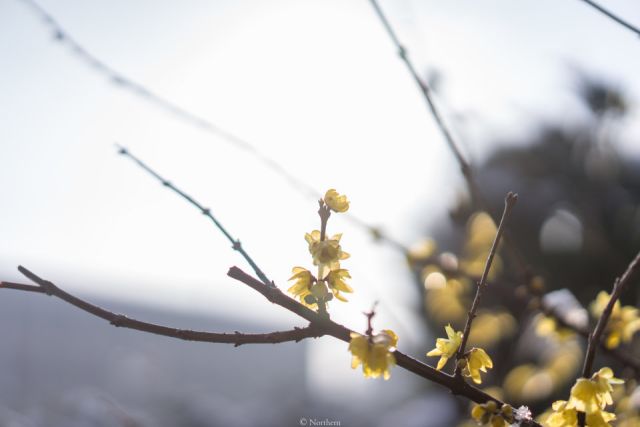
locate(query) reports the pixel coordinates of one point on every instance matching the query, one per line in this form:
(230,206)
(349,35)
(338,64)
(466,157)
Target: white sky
(316,85)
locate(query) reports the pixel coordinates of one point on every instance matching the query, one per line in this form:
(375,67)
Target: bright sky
(315,85)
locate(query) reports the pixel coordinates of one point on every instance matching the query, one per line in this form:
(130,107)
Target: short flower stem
(324,213)
(370,314)
(509,202)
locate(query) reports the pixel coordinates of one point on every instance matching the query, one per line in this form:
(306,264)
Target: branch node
(48,287)
(119,320)
(402,52)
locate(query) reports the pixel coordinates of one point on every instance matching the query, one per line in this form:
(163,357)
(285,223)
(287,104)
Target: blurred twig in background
(613,17)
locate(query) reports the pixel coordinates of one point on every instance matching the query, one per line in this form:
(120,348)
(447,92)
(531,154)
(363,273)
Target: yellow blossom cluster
(475,360)
(590,396)
(488,414)
(628,405)
(326,253)
(623,323)
(548,327)
(374,353)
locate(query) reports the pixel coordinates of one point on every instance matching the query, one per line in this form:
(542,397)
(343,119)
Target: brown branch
(326,326)
(319,326)
(119,320)
(596,337)
(509,202)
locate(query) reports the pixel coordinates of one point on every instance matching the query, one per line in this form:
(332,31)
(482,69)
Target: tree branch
(119,320)
(235,243)
(596,337)
(426,91)
(475,193)
(509,202)
(612,16)
(319,326)
(326,326)
(141,90)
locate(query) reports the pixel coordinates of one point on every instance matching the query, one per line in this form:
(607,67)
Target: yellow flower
(623,323)
(594,394)
(584,396)
(375,353)
(604,379)
(327,252)
(302,286)
(565,416)
(562,416)
(476,361)
(335,201)
(487,414)
(548,327)
(600,419)
(446,347)
(336,282)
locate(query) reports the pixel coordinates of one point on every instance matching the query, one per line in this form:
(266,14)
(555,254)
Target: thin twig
(595,337)
(509,202)
(465,168)
(613,17)
(475,194)
(142,91)
(207,212)
(235,243)
(236,338)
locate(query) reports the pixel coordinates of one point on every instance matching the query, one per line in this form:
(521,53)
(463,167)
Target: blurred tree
(576,227)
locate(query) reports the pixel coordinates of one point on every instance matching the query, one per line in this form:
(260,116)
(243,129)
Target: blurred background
(541,94)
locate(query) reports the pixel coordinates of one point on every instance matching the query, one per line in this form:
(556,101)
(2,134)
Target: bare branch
(612,16)
(509,202)
(523,269)
(465,168)
(596,337)
(475,193)
(319,326)
(326,326)
(119,320)
(235,243)
(142,91)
